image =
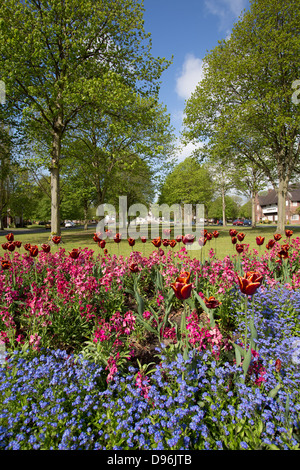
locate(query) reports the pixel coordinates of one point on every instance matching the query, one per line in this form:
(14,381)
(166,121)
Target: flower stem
(246,322)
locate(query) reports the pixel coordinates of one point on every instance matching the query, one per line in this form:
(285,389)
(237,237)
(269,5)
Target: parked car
(237,222)
(69,224)
(247,222)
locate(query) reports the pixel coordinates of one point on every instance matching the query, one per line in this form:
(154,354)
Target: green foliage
(60,58)
(215,208)
(245,210)
(243,106)
(188,183)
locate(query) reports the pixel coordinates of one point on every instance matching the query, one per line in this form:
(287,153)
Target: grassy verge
(79,238)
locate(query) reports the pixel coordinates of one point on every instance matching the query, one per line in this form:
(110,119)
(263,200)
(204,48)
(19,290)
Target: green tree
(58,57)
(249,180)
(215,210)
(107,147)
(245,99)
(4,172)
(246,210)
(188,183)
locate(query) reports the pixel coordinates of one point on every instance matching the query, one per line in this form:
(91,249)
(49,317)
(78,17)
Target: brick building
(267,206)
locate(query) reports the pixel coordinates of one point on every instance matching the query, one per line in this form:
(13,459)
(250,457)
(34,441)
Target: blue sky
(186,29)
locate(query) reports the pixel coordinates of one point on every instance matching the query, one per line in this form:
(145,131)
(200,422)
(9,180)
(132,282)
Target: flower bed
(166,352)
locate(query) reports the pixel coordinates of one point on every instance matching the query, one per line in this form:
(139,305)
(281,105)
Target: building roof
(271,197)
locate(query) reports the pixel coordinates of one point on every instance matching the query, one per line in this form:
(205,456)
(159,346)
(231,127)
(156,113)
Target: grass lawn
(84,238)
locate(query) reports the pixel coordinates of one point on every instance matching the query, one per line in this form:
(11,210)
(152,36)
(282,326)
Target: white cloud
(226,10)
(184,151)
(191,74)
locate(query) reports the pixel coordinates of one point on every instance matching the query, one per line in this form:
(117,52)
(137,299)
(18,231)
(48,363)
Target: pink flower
(142,382)
(34,341)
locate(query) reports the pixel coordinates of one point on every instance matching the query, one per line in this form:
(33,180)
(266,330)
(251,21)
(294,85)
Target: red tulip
(278,365)
(181,286)
(143,239)
(202,241)
(131,241)
(117,238)
(232,232)
(56,239)
(10,237)
(233,240)
(172,243)
(182,291)
(102,243)
(165,242)
(179,238)
(211,302)
(27,246)
(74,253)
(283,253)
(46,248)
(289,233)
(134,268)
(5,264)
(156,242)
(260,240)
(184,276)
(270,244)
(33,251)
(4,246)
(96,238)
(277,236)
(240,247)
(209,236)
(241,236)
(18,244)
(216,233)
(11,247)
(188,239)
(254,276)
(250,282)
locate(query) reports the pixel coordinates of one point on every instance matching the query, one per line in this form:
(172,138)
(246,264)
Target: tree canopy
(58,58)
(188,183)
(244,102)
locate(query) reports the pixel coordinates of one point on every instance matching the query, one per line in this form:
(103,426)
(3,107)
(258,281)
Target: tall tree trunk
(253,208)
(223,205)
(282,195)
(85,211)
(55,183)
(101,193)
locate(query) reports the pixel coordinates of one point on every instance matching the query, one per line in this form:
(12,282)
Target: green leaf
(159,280)
(253,329)
(273,447)
(274,391)
(139,299)
(240,349)
(238,356)
(259,428)
(247,361)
